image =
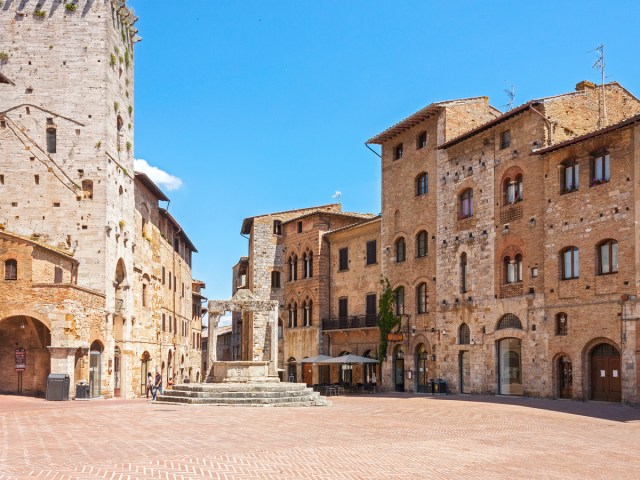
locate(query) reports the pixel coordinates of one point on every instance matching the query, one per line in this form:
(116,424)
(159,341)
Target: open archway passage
(25,361)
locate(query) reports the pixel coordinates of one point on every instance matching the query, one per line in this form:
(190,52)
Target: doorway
(465,371)
(422,371)
(510,366)
(307,374)
(398,369)
(144,372)
(95,369)
(605,373)
(565,377)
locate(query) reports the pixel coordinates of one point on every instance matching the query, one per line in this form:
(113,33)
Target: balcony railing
(340,323)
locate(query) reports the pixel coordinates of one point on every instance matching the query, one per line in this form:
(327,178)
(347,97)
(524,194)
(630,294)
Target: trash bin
(439,387)
(58,386)
(83,391)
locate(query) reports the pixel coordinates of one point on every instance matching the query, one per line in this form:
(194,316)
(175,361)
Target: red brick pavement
(364,437)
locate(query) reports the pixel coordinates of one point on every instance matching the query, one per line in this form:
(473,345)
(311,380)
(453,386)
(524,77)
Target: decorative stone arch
(260,336)
(511,173)
(509,321)
(556,373)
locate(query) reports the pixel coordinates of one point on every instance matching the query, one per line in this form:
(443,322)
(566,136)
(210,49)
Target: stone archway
(259,334)
(30,334)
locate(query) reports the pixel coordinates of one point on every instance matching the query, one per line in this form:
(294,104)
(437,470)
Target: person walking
(157,386)
(149,384)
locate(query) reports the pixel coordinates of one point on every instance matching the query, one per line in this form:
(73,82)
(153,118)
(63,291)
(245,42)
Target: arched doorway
(24,338)
(422,372)
(565,377)
(95,368)
(144,371)
(116,371)
(169,365)
(369,369)
(510,366)
(291,370)
(398,369)
(605,373)
(465,371)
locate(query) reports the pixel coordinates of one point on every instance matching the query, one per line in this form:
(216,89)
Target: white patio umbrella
(316,359)
(349,359)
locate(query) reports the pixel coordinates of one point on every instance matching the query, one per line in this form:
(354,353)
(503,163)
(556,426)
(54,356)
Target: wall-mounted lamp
(473,342)
(444,332)
(433,357)
(413,330)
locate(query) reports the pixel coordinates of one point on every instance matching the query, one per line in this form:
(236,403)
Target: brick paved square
(393,436)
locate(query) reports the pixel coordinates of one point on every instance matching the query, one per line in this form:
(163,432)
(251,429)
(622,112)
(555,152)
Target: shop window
(607,257)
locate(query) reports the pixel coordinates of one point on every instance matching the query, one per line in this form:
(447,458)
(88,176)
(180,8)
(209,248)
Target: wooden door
(307,374)
(605,374)
(565,378)
(399,374)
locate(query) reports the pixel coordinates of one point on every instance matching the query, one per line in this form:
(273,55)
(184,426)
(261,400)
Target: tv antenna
(599,65)
(338,196)
(511,95)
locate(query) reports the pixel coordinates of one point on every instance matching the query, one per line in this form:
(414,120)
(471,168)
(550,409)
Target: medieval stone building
(79,225)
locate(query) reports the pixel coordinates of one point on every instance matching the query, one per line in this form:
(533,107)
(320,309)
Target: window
(600,168)
(275,279)
(87,189)
(308,313)
(607,257)
(570,263)
(57,275)
(421,298)
(51,140)
(513,269)
(169,280)
(371,252)
(293,268)
(397,152)
(164,319)
(277,227)
(299,227)
(464,335)
(570,176)
(509,321)
(280,332)
(11,270)
(466,204)
(463,273)
(343,308)
(421,244)
(401,250)
(399,300)
(343,259)
(371,306)
(421,140)
(144,295)
(505,139)
(561,324)
(513,190)
(163,275)
(422,184)
(307,265)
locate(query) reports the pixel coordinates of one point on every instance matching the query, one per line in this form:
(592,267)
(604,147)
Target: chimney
(583,85)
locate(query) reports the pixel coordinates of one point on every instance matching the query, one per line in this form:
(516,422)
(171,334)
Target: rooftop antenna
(599,65)
(338,196)
(511,95)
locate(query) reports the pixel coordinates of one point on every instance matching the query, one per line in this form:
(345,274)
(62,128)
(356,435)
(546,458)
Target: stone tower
(66,134)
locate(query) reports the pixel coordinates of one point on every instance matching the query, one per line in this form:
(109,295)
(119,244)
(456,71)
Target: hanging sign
(21,359)
(394,337)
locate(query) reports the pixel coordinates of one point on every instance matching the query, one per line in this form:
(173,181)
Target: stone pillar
(214,320)
(63,361)
(273,320)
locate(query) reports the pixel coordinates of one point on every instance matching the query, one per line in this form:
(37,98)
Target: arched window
(561,323)
(307,264)
(509,321)
(513,269)
(11,269)
(401,250)
(466,204)
(464,335)
(422,184)
(421,244)
(293,267)
(295,314)
(570,263)
(308,313)
(399,300)
(421,298)
(291,312)
(464,287)
(607,257)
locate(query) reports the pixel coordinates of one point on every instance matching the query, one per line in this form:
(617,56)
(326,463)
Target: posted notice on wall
(602,373)
(615,374)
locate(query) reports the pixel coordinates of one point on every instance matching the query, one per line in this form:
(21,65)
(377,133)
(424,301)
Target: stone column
(214,320)
(273,319)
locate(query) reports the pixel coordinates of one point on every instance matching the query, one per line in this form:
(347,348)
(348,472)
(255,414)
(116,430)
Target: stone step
(223,394)
(281,401)
(240,387)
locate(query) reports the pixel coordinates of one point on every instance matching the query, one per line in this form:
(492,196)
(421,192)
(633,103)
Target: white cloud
(158,176)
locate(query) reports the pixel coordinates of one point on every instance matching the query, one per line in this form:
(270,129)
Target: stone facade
(67,181)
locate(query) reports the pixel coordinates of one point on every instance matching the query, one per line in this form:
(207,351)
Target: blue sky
(260,106)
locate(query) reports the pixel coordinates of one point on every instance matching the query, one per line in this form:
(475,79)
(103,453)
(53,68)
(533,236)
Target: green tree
(387,320)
